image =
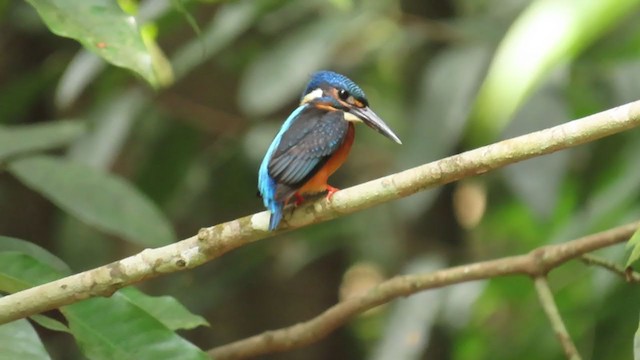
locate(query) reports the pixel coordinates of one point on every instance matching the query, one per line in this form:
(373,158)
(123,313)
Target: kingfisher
(314,142)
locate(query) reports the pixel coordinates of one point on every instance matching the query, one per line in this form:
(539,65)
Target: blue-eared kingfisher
(314,142)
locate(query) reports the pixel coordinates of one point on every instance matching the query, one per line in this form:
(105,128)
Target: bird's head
(334,92)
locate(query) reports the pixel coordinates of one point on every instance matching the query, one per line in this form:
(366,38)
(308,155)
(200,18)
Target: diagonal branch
(212,242)
(536,263)
(549,305)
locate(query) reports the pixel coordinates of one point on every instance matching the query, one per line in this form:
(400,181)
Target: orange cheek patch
(326,107)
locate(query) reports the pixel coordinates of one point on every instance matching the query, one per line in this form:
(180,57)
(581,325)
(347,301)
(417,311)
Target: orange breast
(318,182)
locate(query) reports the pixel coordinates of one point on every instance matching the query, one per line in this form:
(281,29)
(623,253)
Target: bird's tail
(276,215)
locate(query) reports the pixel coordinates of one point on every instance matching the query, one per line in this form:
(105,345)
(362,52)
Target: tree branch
(217,240)
(628,274)
(549,305)
(536,264)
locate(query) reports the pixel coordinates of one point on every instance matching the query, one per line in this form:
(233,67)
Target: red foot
(330,191)
(299,199)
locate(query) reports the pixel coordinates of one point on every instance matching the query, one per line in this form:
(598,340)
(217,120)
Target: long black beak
(373,121)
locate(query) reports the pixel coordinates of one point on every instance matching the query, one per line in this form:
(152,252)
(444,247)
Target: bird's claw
(330,191)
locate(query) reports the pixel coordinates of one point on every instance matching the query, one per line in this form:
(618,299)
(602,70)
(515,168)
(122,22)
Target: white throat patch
(317,93)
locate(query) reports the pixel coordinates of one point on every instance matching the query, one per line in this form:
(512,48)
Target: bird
(314,142)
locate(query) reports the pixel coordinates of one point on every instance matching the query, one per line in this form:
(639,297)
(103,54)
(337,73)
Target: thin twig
(549,305)
(534,264)
(212,242)
(629,275)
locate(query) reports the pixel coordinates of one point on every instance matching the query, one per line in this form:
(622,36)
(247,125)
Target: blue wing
(266,184)
(304,147)
(305,142)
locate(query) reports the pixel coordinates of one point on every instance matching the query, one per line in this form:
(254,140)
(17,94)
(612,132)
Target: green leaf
(50,323)
(18,340)
(99,199)
(104,28)
(105,328)
(19,271)
(548,33)
(35,251)
(634,244)
(18,139)
(166,309)
(115,328)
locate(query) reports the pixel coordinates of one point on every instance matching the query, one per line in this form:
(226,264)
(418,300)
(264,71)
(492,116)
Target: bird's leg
(330,191)
(299,199)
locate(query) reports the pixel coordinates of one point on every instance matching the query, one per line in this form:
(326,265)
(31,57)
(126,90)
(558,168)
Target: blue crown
(335,80)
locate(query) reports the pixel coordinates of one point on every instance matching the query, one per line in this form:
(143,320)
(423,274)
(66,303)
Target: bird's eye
(343,95)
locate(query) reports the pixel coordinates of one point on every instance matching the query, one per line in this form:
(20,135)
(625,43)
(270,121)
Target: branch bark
(535,264)
(214,241)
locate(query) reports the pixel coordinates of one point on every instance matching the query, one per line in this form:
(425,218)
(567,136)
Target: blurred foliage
(99,165)
(634,245)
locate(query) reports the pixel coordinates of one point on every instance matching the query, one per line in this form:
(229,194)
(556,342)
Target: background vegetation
(96,165)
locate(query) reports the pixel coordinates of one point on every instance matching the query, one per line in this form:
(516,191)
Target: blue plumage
(299,158)
(266,184)
(337,81)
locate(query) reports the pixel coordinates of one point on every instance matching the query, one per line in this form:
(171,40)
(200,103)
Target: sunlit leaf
(547,33)
(161,65)
(23,138)
(99,199)
(115,328)
(166,309)
(104,28)
(129,6)
(634,245)
(18,340)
